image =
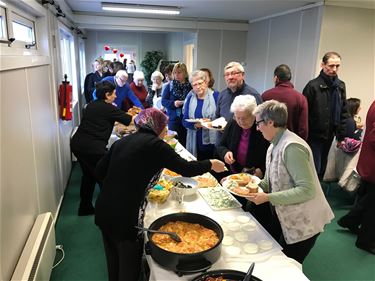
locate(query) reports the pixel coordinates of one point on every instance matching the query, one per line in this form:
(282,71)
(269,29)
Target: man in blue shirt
(234,75)
(123,89)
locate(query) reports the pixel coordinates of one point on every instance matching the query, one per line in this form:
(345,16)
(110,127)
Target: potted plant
(150,63)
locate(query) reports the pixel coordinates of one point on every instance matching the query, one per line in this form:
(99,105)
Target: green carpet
(334,256)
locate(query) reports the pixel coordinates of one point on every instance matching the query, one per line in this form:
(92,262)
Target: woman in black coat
(89,142)
(126,171)
(242,147)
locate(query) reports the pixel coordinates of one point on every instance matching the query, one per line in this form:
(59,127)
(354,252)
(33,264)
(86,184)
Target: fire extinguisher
(65,96)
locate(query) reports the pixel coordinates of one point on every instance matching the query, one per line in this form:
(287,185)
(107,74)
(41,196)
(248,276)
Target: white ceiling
(228,10)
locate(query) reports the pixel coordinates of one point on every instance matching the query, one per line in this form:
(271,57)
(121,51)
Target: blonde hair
(182,67)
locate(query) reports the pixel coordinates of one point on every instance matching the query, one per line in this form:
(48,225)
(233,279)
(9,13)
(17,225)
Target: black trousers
(297,251)
(363,214)
(88,163)
(124,258)
(181,132)
(320,149)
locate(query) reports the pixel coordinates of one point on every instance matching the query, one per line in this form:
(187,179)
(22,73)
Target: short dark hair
(329,55)
(117,65)
(283,73)
(102,88)
(168,69)
(352,105)
(212,80)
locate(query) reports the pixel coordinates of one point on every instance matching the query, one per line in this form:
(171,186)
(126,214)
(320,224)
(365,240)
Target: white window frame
(15,17)
(66,41)
(4,22)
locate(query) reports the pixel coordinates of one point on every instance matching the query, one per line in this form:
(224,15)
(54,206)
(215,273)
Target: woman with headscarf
(127,171)
(173,99)
(89,142)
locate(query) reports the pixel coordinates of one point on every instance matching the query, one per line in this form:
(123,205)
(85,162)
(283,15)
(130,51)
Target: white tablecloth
(269,265)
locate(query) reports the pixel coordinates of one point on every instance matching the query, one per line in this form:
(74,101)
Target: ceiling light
(3,4)
(145,9)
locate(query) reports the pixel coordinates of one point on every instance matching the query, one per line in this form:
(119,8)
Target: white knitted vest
(302,220)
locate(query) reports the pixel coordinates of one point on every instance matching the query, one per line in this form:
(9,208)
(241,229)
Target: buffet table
(270,262)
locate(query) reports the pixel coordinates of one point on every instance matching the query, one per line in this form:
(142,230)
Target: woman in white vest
(290,184)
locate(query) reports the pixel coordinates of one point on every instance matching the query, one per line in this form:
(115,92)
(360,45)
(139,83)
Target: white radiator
(38,255)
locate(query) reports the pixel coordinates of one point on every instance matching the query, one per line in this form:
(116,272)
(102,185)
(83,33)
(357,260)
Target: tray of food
(206,180)
(217,124)
(242,184)
(219,199)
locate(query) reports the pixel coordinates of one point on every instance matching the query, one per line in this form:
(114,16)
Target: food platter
(219,199)
(217,124)
(206,180)
(197,120)
(242,184)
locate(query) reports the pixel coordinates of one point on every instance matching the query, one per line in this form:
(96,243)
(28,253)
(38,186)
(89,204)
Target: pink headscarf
(151,118)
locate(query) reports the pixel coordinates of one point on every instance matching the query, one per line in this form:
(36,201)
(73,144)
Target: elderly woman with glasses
(242,147)
(173,99)
(127,171)
(200,103)
(291,184)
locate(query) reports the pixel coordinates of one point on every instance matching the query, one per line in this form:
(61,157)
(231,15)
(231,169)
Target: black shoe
(86,210)
(369,248)
(343,222)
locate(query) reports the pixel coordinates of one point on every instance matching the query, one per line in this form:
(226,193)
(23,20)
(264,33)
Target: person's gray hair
(157,74)
(122,73)
(236,65)
(197,74)
(273,110)
(245,103)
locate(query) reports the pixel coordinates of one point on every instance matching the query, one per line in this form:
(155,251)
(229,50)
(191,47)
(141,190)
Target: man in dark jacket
(326,98)
(295,102)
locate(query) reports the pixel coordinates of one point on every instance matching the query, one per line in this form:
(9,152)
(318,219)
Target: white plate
(195,120)
(229,184)
(207,126)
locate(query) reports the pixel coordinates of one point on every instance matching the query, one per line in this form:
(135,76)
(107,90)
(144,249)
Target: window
(82,60)
(23,29)
(67,60)
(3,27)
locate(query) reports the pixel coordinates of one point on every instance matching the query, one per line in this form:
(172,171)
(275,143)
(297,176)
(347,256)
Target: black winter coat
(318,98)
(256,154)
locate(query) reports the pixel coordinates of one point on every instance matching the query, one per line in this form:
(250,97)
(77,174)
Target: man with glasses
(234,75)
(123,89)
(326,99)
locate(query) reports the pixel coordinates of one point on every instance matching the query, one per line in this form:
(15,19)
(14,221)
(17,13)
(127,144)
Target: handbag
(353,182)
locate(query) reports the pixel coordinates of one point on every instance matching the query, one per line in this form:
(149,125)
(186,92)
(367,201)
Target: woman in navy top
(200,103)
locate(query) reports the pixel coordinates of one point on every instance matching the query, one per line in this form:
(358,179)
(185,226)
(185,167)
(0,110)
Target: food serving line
(245,240)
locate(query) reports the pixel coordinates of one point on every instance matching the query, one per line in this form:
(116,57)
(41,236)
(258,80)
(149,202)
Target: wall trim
(289,12)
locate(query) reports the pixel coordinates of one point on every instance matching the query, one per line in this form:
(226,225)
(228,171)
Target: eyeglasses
(257,123)
(198,84)
(233,73)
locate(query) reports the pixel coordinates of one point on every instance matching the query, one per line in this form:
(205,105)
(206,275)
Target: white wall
(351,33)
(215,48)
(292,39)
(141,42)
(35,157)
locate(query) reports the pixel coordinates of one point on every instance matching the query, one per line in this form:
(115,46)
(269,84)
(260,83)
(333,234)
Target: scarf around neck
(333,83)
(180,90)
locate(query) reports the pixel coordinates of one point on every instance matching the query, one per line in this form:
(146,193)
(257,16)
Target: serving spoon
(173,235)
(249,272)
